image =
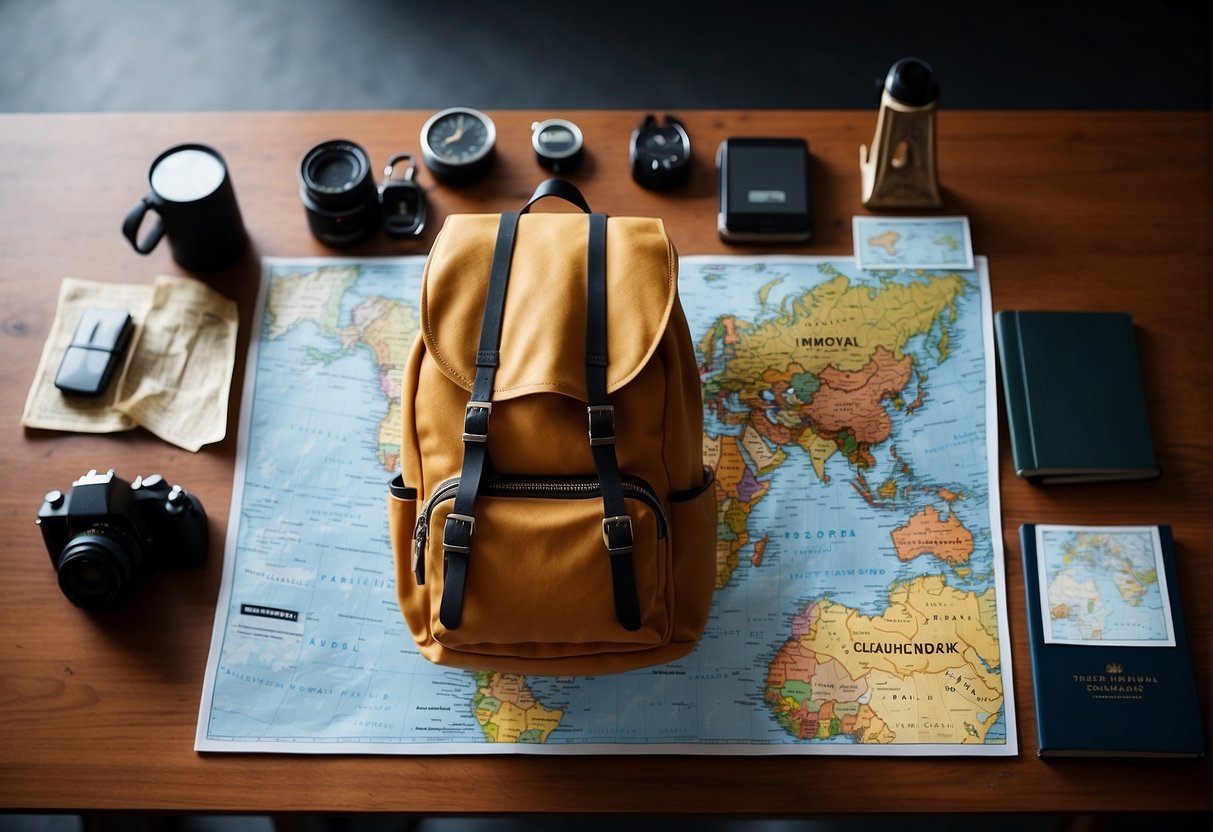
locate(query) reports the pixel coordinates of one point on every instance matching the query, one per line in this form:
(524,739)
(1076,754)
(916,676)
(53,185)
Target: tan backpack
(553,515)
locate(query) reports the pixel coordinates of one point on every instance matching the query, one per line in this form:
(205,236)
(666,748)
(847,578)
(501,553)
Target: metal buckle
(487,407)
(619,520)
(459,518)
(604,439)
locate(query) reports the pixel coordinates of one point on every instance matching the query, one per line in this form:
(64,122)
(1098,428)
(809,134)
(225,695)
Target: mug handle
(134,218)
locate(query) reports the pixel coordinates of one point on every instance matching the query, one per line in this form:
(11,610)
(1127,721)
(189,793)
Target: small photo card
(1103,585)
(913,242)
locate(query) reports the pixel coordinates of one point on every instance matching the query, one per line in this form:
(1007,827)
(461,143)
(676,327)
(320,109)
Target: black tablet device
(765,193)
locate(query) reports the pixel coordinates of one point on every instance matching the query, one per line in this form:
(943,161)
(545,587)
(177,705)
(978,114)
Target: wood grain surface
(1103,211)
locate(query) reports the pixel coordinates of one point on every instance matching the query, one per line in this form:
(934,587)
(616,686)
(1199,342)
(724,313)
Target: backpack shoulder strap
(616,523)
(461,522)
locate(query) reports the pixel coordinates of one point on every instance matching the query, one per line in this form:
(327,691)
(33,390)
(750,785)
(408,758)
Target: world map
(1104,586)
(911,242)
(860,602)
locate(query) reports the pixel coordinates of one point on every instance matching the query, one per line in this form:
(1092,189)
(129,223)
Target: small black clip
(402,201)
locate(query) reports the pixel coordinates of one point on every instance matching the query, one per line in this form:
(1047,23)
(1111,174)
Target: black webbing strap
(461,522)
(616,524)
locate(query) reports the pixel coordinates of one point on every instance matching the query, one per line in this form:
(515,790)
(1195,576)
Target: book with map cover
(1111,670)
(1076,405)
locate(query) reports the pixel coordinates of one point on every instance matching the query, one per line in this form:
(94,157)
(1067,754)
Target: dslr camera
(105,532)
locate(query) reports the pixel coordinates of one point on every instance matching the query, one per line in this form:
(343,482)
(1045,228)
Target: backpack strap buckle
(457,533)
(602,424)
(617,533)
(476,421)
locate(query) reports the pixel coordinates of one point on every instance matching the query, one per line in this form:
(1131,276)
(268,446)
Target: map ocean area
(912,242)
(860,595)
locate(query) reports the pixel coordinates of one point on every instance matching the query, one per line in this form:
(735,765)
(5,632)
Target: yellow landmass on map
(765,291)
(508,711)
(835,325)
(314,296)
(886,240)
(927,667)
(766,458)
(738,489)
(820,375)
(840,325)
(388,328)
(819,449)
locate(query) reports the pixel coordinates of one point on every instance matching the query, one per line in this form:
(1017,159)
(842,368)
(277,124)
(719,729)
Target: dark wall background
(115,55)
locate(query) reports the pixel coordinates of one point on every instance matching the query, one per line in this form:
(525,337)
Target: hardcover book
(1111,670)
(1076,405)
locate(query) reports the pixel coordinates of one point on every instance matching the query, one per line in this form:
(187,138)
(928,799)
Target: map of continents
(1102,586)
(386,326)
(833,372)
(858,568)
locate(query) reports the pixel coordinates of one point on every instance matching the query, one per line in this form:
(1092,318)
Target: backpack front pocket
(534,593)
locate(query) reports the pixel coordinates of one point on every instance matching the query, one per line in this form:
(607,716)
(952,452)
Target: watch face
(457,144)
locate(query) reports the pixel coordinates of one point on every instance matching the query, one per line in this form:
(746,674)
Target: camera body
(105,532)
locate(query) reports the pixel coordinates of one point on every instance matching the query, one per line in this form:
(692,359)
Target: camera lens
(95,567)
(338,193)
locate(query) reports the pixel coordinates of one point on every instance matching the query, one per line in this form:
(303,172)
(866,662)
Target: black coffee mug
(192,195)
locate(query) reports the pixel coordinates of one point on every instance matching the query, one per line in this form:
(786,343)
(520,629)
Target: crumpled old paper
(178,368)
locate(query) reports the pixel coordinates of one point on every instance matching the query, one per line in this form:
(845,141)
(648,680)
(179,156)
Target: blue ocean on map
(311,652)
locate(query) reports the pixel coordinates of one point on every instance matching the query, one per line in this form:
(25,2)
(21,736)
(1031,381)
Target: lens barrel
(339,193)
(96,566)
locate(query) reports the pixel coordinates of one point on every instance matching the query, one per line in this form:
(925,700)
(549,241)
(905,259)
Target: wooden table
(1074,210)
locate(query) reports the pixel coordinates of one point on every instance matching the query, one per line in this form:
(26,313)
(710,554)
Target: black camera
(338,193)
(105,532)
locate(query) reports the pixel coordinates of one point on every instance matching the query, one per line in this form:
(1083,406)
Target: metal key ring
(392,162)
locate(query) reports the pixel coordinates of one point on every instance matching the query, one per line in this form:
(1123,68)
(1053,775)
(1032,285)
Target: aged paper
(176,383)
(178,369)
(46,407)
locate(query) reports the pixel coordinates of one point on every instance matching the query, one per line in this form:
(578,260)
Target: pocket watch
(457,145)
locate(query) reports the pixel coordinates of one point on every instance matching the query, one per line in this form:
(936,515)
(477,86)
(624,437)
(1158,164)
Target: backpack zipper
(568,489)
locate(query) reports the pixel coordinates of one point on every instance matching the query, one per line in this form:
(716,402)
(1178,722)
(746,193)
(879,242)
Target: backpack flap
(544,330)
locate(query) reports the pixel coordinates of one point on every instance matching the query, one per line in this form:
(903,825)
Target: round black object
(660,153)
(96,566)
(912,82)
(338,193)
(558,143)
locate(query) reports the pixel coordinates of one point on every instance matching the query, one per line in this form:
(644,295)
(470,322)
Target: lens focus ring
(97,565)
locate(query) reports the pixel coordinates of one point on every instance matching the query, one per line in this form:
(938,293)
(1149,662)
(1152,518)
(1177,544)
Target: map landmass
(857,614)
(1103,586)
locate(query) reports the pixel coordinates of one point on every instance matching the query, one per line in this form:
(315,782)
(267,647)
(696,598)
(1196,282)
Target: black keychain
(401,200)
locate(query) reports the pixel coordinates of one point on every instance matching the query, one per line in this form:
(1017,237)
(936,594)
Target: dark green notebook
(1076,406)
(1111,669)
